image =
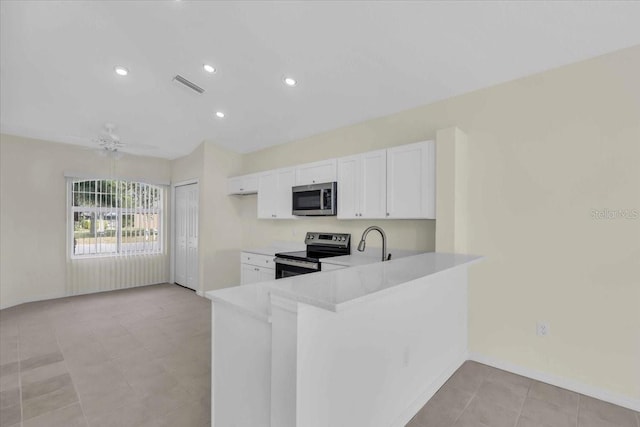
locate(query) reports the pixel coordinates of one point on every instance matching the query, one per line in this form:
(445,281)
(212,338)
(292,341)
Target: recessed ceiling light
(209,68)
(219,114)
(121,71)
(290,81)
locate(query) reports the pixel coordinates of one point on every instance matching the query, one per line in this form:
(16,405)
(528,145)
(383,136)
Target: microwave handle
(322,199)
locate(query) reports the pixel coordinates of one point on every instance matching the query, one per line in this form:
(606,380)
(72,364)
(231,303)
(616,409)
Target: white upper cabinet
(246,184)
(348,184)
(267,194)
(274,194)
(286,181)
(373,184)
(396,183)
(316,173)
(362,185)
(411,181)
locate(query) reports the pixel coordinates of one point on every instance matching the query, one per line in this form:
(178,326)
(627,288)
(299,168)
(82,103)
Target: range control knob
(335,238)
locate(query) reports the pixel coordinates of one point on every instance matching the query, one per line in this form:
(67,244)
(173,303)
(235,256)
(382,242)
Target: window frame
(120,212)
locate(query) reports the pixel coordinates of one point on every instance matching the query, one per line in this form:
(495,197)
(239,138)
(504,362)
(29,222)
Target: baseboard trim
(21,301)
(566,383)
(428,393)
(57,295)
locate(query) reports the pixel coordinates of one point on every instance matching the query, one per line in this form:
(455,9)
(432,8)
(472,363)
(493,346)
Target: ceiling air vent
(178,78)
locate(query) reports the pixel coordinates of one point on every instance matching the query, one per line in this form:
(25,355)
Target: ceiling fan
(109,143)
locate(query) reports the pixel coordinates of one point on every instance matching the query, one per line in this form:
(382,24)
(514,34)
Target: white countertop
(339,289)
(369,256)
(276,247)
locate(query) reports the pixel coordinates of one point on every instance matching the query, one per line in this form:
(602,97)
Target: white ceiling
(354,61)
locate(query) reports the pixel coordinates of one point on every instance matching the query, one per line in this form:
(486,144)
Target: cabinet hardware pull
(387,213)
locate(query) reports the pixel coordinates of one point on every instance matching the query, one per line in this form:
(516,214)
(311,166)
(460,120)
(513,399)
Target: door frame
(172,231)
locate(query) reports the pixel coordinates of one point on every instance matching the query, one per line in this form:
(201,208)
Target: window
(113,217)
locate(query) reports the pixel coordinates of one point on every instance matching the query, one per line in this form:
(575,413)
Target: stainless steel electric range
(319,245)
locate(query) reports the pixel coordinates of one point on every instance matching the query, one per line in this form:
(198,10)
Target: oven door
(289,267)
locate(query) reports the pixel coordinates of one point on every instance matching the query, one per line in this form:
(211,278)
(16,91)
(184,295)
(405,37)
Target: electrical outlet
(542,329)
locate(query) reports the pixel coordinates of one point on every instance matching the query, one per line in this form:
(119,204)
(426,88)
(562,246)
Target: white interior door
(180,220)
(186,238)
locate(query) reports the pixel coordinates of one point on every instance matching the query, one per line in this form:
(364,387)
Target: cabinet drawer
(257,260)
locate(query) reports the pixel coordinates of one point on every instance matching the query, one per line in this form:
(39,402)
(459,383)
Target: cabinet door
(246,184)
(373,184)
(316,173)
(285,181)
(234,185)
(265,274)
(249,184)
(248,274)
(267,194)
(348,191)
(411,181)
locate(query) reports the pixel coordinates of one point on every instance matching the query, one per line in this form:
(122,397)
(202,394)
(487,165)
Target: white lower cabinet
(256,268)
(274,194)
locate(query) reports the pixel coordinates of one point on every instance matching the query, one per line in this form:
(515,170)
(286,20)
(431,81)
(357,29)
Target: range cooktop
(321,245)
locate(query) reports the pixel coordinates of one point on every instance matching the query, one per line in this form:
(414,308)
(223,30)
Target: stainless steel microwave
(315,199)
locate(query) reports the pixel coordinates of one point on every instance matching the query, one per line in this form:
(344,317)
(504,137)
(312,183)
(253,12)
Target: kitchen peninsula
(365,345)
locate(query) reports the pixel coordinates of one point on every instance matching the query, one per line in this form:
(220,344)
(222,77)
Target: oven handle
(296,263)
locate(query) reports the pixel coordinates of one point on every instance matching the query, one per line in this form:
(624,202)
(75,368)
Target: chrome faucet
(362,243)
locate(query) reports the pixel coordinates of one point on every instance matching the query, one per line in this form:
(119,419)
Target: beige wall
(189,167)
(543,152)
(221,227)
(33,211)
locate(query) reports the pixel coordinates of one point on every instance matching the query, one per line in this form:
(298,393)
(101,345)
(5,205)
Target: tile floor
(480,396)
(136,357)
(141,357)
